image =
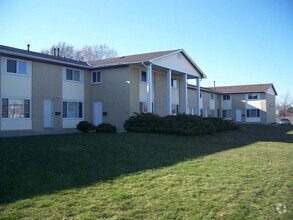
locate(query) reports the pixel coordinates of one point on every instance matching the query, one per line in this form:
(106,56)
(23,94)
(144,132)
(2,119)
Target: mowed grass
(242,174)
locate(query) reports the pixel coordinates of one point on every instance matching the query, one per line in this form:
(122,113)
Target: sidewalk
(22,133)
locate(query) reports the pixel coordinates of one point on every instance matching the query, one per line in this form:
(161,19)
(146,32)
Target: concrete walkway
(22,133)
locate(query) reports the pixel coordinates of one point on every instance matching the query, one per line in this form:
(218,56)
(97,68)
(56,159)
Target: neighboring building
(40,91)
(248,103)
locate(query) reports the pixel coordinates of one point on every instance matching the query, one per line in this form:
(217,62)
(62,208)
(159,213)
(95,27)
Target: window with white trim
(226,97)
(226,113)
(72,109)
(253,113)
(96,77)
(252,96)
(212,96)
(72,75)
(174,83)
(15,108)
(212,113)
(16,66)
(143,76)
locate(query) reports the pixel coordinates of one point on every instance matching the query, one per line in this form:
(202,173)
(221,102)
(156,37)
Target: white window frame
(77,110)
(226,110)
(253,96)
(92,77)
(73,75)
(225,97)
(17,68)
(248,115)
(16,118)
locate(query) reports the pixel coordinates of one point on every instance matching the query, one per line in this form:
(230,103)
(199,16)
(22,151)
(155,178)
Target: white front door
(98,113)
(238,115)
(48,113)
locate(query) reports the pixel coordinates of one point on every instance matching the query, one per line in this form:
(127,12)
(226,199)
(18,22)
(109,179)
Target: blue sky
(233,41)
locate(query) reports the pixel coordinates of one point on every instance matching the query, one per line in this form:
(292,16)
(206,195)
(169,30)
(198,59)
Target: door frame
(94,118)
(52,112)
(240,116)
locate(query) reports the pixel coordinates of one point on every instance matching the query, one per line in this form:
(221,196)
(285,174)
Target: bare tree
(87,53)
(65,50)
(284,104)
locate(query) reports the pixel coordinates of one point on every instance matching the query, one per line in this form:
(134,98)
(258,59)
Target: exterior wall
(114,93)
(191,95)
(134,86)
(160,98)
(271,108)
(47,84)
(16,86)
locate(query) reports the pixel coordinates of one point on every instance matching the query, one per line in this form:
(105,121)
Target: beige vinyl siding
(271,108)
(160,91)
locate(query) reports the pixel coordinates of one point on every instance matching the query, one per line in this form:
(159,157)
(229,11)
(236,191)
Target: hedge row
(180,124)
(86,127)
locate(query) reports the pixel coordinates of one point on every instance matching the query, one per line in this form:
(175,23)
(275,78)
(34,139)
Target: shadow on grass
(34,166)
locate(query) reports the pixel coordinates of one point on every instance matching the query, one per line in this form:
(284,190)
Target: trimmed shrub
(85,126)
(106,128)
(222,125)
(180,124)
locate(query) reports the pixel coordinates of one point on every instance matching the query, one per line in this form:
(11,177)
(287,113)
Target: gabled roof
(244,88)
(137,58)
(40,56)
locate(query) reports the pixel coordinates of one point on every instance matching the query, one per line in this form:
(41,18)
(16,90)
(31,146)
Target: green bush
(106,128)
(85,126)
(180,124)
(222,125)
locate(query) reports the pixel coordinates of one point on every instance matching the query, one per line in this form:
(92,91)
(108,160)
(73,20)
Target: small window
(175,109)
(226,113)
(252,96)
(16,66)
(11,66)
(212,96)
(174,83)
(96,77)
(212,113)
(253,113)
(143,76)
(72,75)
(226,97)
(21,66)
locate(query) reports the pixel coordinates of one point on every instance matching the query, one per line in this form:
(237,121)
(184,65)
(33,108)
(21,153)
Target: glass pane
(72,109)
(143,76)
(76,75)
(21,67)
(94,77)
(27,108)
(69,74)
(4,108)
(16,108)
(11,66)
(80,109)
(64,109)
(98,76)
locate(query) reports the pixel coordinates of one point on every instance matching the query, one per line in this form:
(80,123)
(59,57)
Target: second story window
(143,76)
(252,96)
(226,97)
(72,75)
(96,77)
(212,96)
(16,66)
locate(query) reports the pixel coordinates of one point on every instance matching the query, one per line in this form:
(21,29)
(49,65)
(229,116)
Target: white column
(185,93)
(198,96)
(150,88)
(169,92)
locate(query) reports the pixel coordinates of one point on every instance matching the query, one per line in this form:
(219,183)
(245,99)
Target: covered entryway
(97,113)
(48,113)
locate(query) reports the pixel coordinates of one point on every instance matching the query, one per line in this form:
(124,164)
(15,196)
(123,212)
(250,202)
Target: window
(253,113)
(72,75)
(174,83)
(212,113)
(72,110)
(226,97)
(143,76)
(212,96)
(252,96)
(226,113)
(175,109)
(218,97)
(16,66)
(143,107)
(96,77)
(15,108)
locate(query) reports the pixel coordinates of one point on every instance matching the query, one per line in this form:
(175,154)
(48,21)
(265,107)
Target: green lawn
(242,174)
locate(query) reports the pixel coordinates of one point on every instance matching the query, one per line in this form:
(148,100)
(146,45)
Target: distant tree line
(87,53)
